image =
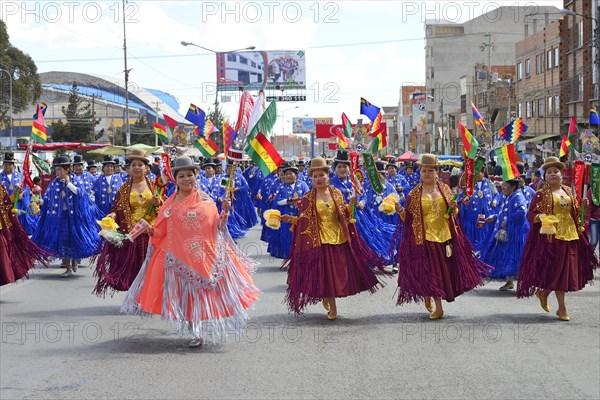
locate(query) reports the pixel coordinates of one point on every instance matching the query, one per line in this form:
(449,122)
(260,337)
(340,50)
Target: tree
(26,83)
(142,132)
(81,121)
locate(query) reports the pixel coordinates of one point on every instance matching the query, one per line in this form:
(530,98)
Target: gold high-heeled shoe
(326,304)
(436,316)
(331,316)
(545,306)
(565,317)
(429,305)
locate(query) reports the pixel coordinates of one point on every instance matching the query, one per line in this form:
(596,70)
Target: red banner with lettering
(579,171)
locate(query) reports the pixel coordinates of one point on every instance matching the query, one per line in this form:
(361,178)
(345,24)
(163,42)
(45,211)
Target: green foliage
(26,83)
(81,121)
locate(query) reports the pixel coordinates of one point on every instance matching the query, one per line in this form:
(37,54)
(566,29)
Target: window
(519,71)
(540,107)
(243,60)
(527,68)
(520,110)
(549,59)
(550,108)
(580,87)
(539,64)
(528,109)
(556,56)
(556,105)
(569,39)
(580,35)
(430,73)
(252,64)
(463,103)
(231,57)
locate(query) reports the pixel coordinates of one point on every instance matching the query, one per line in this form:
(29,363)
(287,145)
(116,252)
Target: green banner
(374,177)
(479,164)
(595,186)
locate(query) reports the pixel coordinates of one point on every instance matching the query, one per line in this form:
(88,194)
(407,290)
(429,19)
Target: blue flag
(594,120)
(369,109)
(196,116)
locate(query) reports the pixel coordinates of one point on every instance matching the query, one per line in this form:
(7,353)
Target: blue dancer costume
(106,188)
(504,248)
(67,226)
(479,203)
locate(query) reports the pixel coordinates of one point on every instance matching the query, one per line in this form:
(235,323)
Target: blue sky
(353,48)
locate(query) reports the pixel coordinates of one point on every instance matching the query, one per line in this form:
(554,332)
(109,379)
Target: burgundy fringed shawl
(416,278)
(306,260)
(540,251)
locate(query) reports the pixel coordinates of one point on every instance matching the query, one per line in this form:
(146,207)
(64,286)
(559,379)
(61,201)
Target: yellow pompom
(108,224)
(352,220)
(388,205)
(14,211)
(273,218)
(548,222)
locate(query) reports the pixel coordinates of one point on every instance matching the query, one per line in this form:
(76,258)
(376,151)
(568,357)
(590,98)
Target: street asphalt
(61,341)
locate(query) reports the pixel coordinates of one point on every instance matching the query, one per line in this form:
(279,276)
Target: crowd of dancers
(333,233)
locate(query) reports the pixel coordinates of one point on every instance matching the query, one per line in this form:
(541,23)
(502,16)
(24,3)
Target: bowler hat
(108,159)
(317,164)
(184,162)
(138,154)
(428,160)
(62,160)
(552,162)
(77,159)
(9,157)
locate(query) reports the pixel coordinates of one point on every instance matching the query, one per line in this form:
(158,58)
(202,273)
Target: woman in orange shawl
(193,275)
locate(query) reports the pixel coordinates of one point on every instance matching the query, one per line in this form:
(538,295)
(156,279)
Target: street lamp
(10,105)
(185,44)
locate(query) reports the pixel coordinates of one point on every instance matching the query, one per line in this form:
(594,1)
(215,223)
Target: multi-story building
(579,60)
(538,87)
(453,49)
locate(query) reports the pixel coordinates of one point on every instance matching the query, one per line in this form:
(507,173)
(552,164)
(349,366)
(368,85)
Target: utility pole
(127,132)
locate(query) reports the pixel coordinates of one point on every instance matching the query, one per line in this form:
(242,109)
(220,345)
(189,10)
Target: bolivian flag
(207,147)
(469,142)
(161,132)
(38,129)
(264,155)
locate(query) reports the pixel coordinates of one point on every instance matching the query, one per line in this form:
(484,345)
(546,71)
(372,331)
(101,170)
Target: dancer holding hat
(328,257)
(193,275)
(556,258)
(435,258)
(118,265)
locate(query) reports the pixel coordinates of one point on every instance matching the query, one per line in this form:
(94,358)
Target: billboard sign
(256,70)
(307,125)
(419,112)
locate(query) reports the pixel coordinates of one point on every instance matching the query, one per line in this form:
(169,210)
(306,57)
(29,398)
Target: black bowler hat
(77,159)
(209,163)
(342,157)
(288,166)
(62,160)
(380,165)
(108,159)
(392,163)
(91,164)
(9,157)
